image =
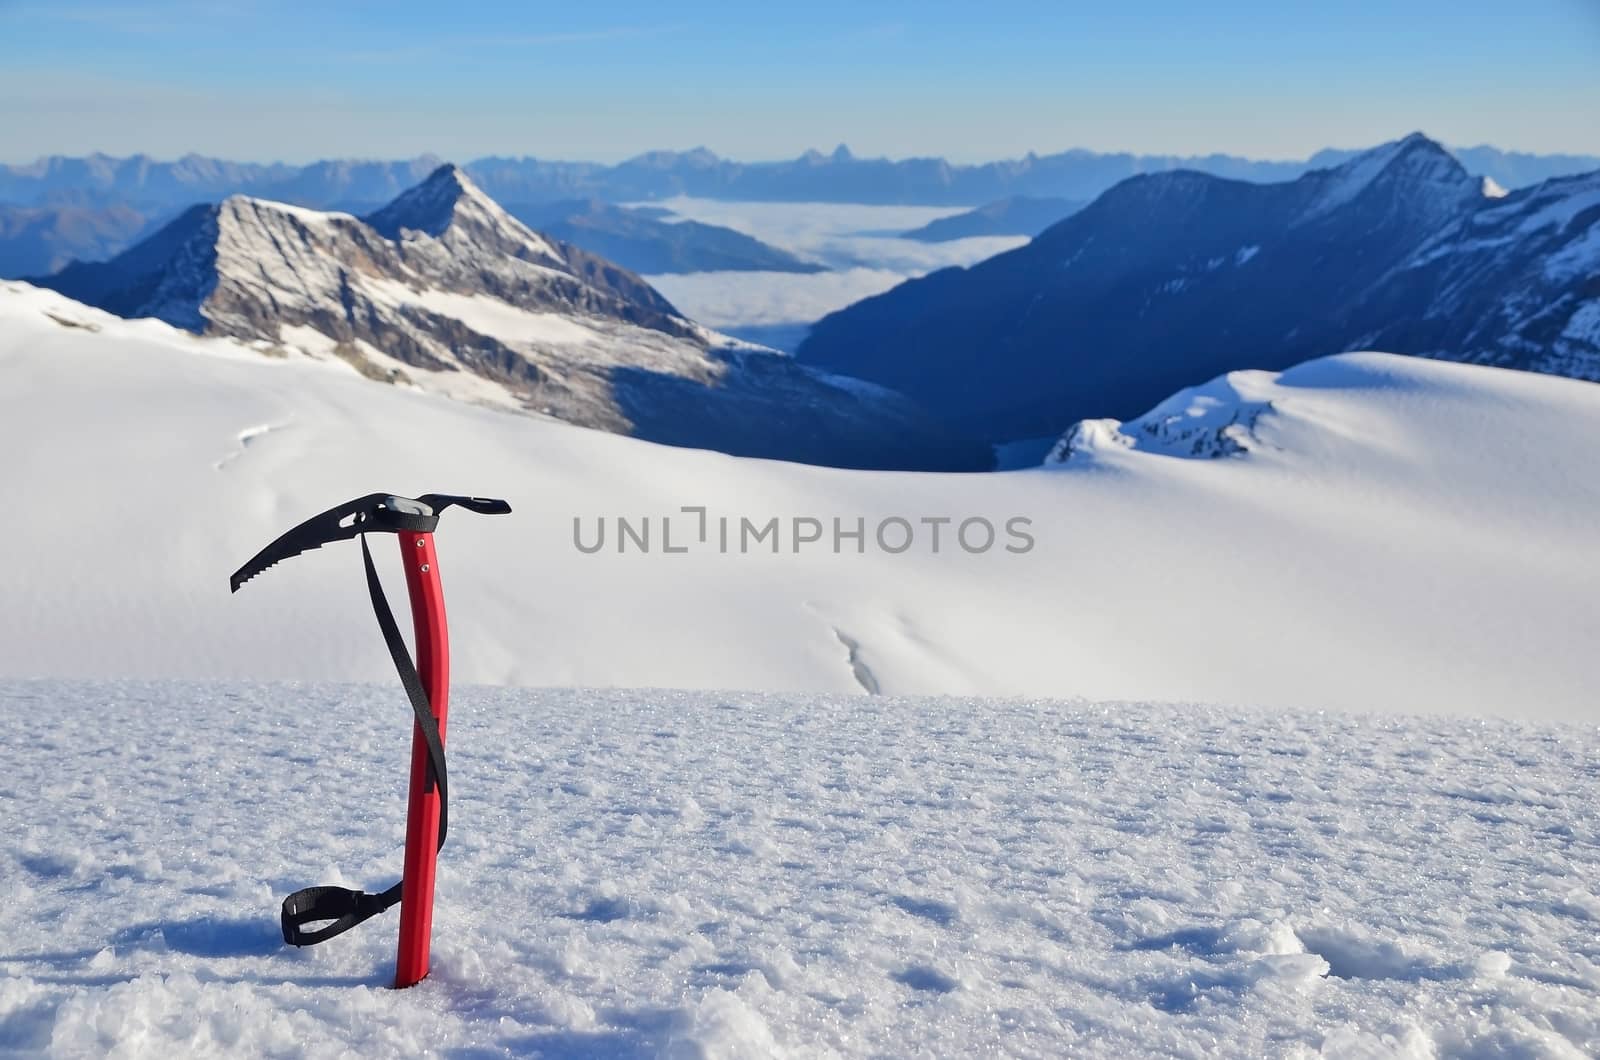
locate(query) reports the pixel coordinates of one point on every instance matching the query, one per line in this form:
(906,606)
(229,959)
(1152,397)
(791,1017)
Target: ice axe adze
(427,683)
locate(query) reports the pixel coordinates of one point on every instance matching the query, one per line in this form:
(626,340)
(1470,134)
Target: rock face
(1175,277)
(451,233)
(1514,282)
(445,290)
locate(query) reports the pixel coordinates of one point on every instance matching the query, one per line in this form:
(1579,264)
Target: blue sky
(298,81)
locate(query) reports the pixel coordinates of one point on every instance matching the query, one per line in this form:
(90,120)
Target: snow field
(1398,535)
(640,873)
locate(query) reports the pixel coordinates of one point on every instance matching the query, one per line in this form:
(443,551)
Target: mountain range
(36,239)
(58,209)
(841,176)
(1165,278)
(40,239)
(1173,277)
(444,290)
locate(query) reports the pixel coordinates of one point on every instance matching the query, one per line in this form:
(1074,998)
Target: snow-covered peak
(247,210)
(431,206)
(1420,156)
(258,242)
(412,284)
(1415,160)
(1491,189)
(701,157)
(1216,419)
(449,207)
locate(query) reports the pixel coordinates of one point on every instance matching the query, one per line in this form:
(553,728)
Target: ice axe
(427,684)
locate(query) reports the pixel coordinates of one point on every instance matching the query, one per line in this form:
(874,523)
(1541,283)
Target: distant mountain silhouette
(641,241)
(42,239)
(1016,216)
(93,207)
(143,182)
(150,185)
(1173,278)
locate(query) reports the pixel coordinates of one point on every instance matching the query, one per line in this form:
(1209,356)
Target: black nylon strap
(343,906)
(420,707)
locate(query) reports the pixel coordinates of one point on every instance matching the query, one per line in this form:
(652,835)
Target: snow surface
(733,875)
(1563,201)
(477,206)
(489,316)
(1584,325)
(306,215)
(1407,536)
(1215,419)
(1579,258)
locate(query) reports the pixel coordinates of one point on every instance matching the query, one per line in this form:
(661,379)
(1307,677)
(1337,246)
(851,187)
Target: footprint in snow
(922,977)
(940,913)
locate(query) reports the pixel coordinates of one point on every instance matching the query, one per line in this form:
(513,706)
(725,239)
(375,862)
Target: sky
(297,81)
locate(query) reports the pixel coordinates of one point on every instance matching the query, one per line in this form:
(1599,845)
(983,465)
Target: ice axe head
(374,513)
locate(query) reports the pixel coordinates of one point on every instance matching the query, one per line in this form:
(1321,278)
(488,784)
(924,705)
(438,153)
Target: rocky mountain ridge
(444,290)
(1174,277)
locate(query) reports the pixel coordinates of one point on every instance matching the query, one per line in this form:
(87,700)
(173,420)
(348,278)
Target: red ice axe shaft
(427,685)
(422,810)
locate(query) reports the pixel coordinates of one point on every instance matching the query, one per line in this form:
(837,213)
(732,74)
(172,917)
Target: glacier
(1402,535)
